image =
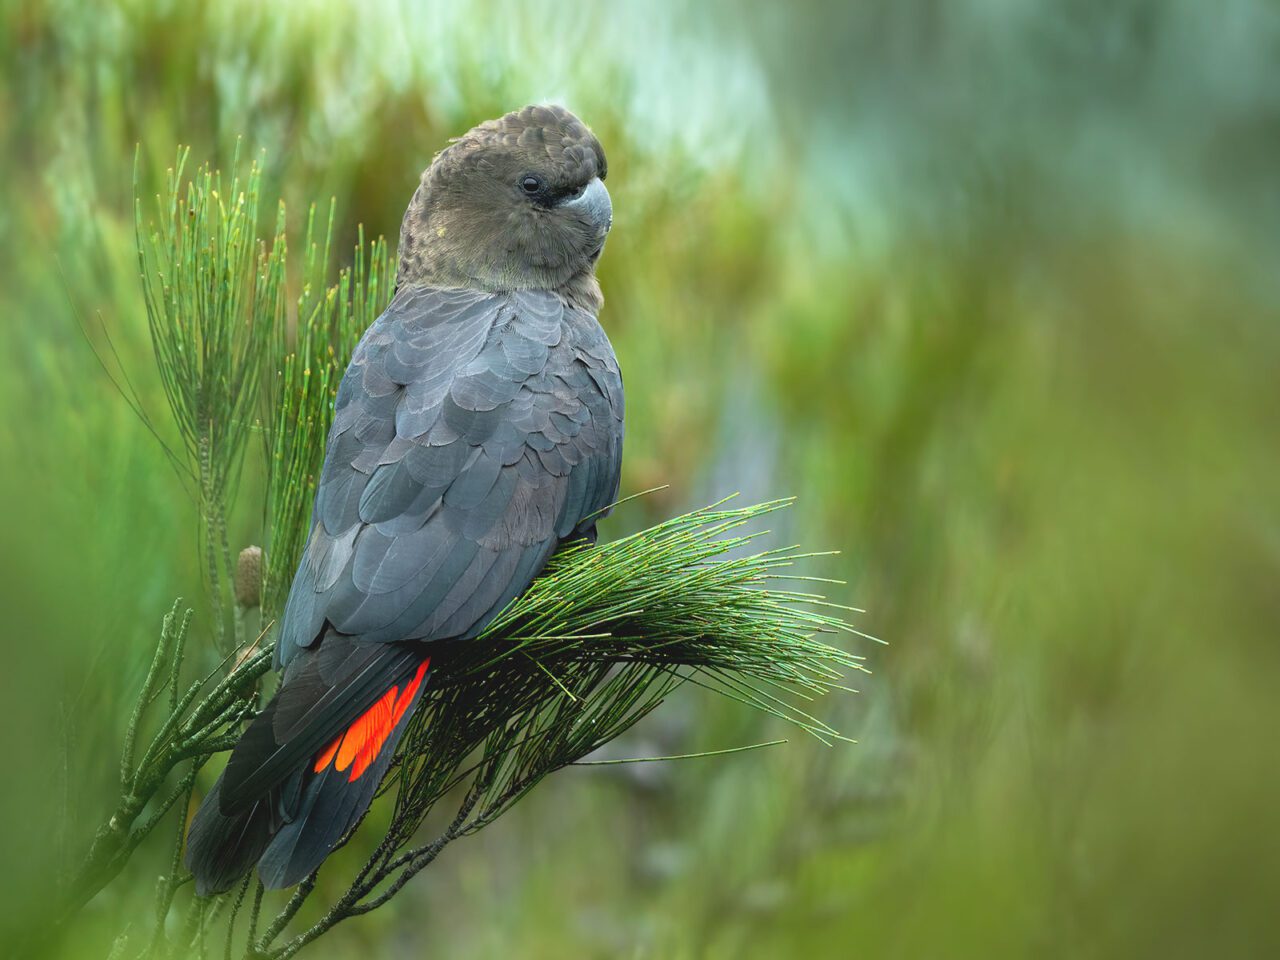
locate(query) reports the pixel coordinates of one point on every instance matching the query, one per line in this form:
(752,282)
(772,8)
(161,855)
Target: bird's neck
(582,291)
(419,268)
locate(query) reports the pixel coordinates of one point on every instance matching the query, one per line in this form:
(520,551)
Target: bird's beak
(594,206)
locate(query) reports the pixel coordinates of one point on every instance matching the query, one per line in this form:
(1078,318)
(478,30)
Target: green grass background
(993,287)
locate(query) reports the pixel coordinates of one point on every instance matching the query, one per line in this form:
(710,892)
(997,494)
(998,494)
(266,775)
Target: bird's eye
(530,184)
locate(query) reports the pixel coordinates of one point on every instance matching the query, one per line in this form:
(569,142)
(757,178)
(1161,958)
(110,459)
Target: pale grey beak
(594,205)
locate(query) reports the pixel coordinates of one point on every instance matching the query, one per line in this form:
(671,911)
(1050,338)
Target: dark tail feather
(289,831)
(342,783)
(220,848)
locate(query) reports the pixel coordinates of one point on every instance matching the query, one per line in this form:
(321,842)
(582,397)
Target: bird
(476,430)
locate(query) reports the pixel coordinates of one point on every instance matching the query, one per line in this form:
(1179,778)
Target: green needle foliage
(309,361)
(600,639)
(214,292)
(596,643)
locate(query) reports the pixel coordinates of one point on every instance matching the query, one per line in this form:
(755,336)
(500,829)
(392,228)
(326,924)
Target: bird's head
(517,203)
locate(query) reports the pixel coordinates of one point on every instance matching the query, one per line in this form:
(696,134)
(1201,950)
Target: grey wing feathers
(472,433)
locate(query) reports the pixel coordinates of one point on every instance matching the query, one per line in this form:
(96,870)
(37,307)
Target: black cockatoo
(478,427)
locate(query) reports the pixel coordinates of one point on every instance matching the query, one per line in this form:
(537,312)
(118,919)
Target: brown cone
(249,577)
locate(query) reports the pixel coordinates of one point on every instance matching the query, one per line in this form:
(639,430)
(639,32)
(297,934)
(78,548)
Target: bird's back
(473,432)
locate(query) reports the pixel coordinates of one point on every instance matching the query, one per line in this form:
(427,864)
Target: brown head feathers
(515,203)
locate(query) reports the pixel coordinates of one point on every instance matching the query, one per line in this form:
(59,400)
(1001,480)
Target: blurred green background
(993,287)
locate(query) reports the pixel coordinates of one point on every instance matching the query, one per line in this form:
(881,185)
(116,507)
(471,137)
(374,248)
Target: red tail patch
(359,745)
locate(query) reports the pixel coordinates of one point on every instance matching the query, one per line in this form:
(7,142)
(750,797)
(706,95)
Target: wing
(472,434)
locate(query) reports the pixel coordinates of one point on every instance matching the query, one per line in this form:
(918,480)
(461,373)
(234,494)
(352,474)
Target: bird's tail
(299,779)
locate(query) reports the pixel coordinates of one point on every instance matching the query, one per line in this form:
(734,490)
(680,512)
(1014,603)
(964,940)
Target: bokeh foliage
(992,287)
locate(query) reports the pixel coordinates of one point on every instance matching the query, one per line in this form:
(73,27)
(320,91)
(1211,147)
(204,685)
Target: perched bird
(478,427)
